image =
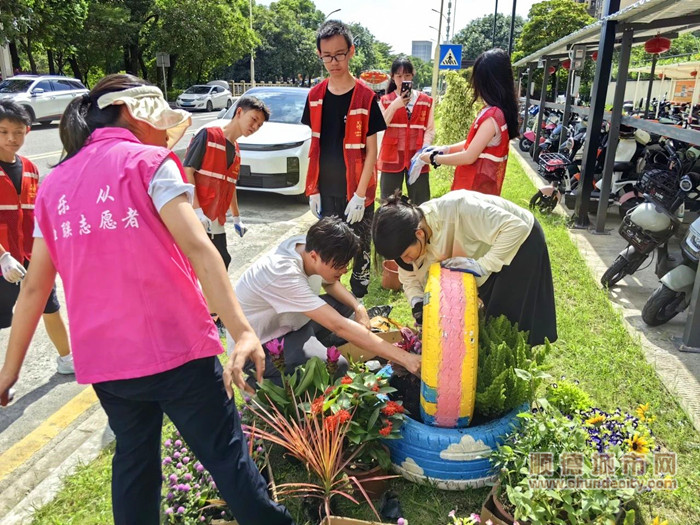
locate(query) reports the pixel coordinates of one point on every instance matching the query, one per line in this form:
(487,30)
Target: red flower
(375,388)
(343,416)
(331,422)
(317,405)
(391,408)
(386,430)
(347,380)
(328,390)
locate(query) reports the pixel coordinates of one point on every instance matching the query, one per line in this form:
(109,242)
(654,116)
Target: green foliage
(369,52)
(456,112)
(548,22)
(568,397)
(477,36)
(509,368)
(422,72)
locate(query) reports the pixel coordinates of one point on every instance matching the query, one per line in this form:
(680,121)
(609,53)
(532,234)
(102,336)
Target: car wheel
(228,103)
(30,112)
(209,106)
(450,458)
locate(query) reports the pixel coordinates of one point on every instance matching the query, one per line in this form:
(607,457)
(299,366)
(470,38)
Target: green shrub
(509,368)
(568,397)
(455,112)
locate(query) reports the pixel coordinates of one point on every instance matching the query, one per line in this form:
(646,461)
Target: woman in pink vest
(410,126)
(115,219)
(481,159)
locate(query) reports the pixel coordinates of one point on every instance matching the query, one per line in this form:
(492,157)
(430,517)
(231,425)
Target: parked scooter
(674,294)
(650,225)
(548,126)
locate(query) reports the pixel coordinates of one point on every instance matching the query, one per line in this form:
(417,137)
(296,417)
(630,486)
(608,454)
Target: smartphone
(406,87)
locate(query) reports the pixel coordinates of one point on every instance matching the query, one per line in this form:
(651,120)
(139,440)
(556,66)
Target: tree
(422,72)
(369,52)
(477,36)
(548,22)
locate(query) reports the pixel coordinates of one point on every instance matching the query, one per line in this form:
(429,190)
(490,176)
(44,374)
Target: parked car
(45,97)
(206,97)
(276,157)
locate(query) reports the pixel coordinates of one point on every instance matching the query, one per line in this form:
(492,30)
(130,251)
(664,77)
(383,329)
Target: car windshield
(14,85)
(198,90)
(285,107)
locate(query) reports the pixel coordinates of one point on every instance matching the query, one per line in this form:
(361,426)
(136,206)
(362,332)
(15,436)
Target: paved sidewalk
(679,371)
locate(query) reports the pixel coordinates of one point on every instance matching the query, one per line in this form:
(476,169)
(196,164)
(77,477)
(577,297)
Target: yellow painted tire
(450,348)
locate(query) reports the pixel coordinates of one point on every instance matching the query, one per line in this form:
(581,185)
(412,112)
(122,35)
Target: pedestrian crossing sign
(450,56)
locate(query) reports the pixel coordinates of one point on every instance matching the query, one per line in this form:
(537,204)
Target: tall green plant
(455,112)
(509,368)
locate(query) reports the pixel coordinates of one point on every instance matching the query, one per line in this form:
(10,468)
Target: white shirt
(275,291)
(165,185)
(468,224)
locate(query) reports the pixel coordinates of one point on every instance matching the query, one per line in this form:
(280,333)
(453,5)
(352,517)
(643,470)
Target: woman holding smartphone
(410,126)
(481,159)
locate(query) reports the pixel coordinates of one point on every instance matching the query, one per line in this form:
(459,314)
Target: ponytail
(83,116)
(395,223)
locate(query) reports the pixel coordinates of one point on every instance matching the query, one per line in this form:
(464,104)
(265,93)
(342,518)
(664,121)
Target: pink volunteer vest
(134,305)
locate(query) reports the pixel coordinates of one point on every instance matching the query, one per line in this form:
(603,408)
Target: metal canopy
(681,70)
(647,18)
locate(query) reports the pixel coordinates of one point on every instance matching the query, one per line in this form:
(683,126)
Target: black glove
(417,312)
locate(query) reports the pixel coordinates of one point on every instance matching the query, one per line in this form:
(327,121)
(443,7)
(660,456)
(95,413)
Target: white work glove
(355,209)
(315,204)
(206,221)
(416,165)
(12,270)
(239,226)
(463,264)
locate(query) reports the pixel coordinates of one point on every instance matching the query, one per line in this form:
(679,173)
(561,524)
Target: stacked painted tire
(450,348)
(449,458)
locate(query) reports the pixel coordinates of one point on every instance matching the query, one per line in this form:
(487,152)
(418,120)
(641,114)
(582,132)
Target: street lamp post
(252,49)
(329,14)
(495,17)
(436,56)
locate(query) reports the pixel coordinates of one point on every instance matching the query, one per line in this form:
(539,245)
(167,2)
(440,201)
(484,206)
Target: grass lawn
(593,347)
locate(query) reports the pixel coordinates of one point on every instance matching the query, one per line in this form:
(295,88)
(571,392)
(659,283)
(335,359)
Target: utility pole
(252,48)
(512,29)
(495,17)
(436,65)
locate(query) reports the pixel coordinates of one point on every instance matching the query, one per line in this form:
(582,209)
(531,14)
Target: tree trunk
(171,71)
(15,56)
(60,62)
(144,71)
(49,56)
(28,50)
(76,70)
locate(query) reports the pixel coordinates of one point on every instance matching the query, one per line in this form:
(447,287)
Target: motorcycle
(674,294)
(650,225)
(560,172)
(548,126)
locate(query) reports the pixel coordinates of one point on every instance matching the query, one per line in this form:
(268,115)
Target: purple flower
(183,450)
(168,442)
(181,510)
(451,514)
(186,460)
(178,443)
(332,354)
(170,495)
(275,347)
(199,467)
(202,518)
(179,464)
(169,510)
(173,478)
(475,518)
(176,455)
(167,460)
(402,522)
(187,477)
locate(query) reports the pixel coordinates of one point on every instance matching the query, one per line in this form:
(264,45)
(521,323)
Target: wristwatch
(432,158)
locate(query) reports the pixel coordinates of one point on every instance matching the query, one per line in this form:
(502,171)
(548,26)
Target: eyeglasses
(338,57)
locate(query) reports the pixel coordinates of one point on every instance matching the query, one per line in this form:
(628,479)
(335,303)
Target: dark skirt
(523,290)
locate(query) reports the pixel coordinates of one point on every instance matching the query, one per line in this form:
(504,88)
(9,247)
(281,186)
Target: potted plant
(554,468)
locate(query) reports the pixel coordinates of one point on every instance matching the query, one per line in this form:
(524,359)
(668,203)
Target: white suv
(44,97)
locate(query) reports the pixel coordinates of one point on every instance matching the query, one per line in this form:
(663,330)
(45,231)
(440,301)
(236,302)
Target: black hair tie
(86,98)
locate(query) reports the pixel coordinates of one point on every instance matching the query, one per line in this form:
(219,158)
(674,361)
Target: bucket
(390,275)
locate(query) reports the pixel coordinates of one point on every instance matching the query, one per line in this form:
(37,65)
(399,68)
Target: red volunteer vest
(403,138)
(487,173)
(215,182)
(354,142)
(17,211)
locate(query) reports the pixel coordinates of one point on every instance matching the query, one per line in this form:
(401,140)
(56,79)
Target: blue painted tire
(450,458)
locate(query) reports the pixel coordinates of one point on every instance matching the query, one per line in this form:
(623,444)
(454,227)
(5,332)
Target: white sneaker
(64,365)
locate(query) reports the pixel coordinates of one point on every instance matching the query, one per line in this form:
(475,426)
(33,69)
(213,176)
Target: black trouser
(194,398)
(8,297)
(359,280)
(311,340)
(219,240)
(418,192)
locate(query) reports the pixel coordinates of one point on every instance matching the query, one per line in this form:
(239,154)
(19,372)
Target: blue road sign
(450,56)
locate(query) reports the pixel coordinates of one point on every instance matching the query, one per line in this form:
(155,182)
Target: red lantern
(657,45)
(693,74)
(552,70)
(566,64)
(594,56)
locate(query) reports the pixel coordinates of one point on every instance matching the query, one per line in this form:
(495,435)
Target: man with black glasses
(344,117)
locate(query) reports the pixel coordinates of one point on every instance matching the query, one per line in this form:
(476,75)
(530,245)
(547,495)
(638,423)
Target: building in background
(422,49)
(595,7)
